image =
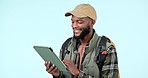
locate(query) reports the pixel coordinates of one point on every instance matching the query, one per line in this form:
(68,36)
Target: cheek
(81,25)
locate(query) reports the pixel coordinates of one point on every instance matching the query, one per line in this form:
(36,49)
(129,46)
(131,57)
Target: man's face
(81,27)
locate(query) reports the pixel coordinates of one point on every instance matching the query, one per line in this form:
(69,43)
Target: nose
(74,25)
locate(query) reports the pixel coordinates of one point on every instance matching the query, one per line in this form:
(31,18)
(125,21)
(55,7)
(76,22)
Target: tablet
(48,55)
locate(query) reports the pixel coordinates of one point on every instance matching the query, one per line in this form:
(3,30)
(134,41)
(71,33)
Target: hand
(72,68)
(52,69)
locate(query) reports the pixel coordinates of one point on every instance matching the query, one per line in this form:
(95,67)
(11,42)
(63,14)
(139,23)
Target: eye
(80,22)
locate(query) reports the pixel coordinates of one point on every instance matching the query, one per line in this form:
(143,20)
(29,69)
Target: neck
(87,38)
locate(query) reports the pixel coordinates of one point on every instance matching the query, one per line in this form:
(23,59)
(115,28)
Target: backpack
(100,51)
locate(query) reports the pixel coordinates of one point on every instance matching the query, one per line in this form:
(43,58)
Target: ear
(92,22)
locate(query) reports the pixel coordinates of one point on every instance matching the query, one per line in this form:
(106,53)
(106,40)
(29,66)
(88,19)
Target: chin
(76,36)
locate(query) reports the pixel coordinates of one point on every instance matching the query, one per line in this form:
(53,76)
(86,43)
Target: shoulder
(66,42)
(110,46)
(109,42)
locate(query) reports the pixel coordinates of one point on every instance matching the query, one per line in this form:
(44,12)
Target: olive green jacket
(88,67)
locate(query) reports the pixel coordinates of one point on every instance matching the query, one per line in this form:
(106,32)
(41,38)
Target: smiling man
(82,53)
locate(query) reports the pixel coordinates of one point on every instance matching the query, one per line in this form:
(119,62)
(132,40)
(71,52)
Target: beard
(84,32)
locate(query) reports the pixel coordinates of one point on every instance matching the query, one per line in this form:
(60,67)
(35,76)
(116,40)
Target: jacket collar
(90,47)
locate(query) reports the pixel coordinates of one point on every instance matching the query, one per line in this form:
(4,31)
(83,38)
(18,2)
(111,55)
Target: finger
(47,66)
(67,62)
(51,68)
(50,64)
(45,63)
(54,70)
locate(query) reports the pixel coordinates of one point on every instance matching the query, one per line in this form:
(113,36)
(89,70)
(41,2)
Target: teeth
(76,31)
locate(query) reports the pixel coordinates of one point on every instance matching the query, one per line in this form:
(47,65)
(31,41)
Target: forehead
(79,18)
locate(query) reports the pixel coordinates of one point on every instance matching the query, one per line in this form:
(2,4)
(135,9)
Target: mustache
(85,31)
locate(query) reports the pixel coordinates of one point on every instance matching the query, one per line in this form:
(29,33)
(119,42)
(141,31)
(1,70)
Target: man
(79,55)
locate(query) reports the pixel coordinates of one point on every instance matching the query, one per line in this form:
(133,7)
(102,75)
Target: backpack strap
(64,48)
(101,52)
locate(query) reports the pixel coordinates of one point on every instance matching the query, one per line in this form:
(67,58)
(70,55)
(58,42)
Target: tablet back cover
(49,55)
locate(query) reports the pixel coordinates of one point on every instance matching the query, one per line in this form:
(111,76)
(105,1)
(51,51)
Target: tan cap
(83,10)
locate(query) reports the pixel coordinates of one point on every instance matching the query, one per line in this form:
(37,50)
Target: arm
(110,67)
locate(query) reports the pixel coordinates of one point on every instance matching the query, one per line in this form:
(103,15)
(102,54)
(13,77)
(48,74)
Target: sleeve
(62,54)
(110,66)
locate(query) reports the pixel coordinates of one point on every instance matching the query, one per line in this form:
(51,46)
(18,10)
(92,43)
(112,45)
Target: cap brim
(74,13)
